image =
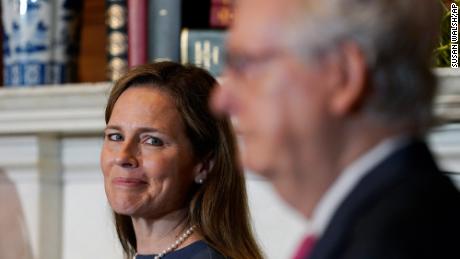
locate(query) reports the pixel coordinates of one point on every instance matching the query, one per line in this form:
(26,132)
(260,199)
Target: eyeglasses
(246,65)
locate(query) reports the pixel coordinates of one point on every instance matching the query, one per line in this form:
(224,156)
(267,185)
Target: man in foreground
(332,100)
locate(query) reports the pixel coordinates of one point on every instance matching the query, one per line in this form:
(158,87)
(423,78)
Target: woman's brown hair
(218,207)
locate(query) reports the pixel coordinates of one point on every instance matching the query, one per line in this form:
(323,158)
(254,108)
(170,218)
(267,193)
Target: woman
(170,168)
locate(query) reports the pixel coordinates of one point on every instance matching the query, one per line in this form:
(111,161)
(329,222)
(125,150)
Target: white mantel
(50,139)
(68,109)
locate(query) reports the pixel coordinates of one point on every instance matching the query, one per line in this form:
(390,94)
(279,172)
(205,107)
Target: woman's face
(146,159)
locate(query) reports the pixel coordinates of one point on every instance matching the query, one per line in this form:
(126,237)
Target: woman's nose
(127,156)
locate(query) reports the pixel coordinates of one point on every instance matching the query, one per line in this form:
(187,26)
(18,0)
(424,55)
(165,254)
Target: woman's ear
(202,169)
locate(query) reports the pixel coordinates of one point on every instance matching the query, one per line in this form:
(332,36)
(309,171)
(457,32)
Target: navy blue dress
(196,250)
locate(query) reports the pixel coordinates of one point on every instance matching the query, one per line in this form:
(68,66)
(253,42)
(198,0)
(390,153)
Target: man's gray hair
(397,38)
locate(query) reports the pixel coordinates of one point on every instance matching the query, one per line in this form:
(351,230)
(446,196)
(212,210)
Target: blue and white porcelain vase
(40,41)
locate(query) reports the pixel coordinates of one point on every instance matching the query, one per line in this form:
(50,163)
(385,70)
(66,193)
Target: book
(221,15)
(66,41)
(204,48)
(92,58)
(227,2)
(117,38)
(222,2)
(137,32)
(164,25)
(195,14)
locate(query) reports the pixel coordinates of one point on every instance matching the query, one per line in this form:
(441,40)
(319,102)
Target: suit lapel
(397,166)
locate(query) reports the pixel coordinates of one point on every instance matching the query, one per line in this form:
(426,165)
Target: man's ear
(202,170)
(350,90)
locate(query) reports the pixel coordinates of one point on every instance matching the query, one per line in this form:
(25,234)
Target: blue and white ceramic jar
(40,41)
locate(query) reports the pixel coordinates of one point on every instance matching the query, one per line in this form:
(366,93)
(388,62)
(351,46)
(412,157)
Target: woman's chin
(123,208)
(125,211)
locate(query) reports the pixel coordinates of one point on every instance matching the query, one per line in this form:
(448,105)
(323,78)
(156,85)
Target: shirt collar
(348,179)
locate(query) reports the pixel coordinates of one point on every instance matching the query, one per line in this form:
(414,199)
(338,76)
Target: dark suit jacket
(404,208)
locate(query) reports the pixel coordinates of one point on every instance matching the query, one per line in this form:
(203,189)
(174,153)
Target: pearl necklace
(174,245)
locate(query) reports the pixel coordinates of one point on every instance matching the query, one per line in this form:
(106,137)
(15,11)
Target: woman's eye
(154,141)
(114,137)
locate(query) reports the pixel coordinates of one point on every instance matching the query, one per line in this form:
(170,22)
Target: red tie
(304,250)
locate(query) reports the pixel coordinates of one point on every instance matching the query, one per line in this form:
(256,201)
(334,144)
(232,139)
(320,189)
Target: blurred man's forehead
(278,11)
(260,23)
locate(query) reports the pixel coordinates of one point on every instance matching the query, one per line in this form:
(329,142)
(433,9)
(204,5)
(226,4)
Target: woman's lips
(128,182)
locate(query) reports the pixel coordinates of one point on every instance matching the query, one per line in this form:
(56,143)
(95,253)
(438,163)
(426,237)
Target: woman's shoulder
(197,250)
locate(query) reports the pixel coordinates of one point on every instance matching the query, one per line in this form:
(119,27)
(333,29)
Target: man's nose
(223,101)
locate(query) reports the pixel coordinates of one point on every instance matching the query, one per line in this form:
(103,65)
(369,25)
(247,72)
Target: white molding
(447,102)
(66,109)
(79,108)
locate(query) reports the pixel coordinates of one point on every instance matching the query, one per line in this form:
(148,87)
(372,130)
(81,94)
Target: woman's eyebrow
(140,129)
(114,127)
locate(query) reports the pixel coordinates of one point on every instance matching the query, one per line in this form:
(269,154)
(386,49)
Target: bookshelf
(200,19)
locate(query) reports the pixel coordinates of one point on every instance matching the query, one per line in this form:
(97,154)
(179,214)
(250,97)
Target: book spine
(195,14)
(204,48)
(222,2)
(221,15)
(137,32)
(164,21)
(117,38)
